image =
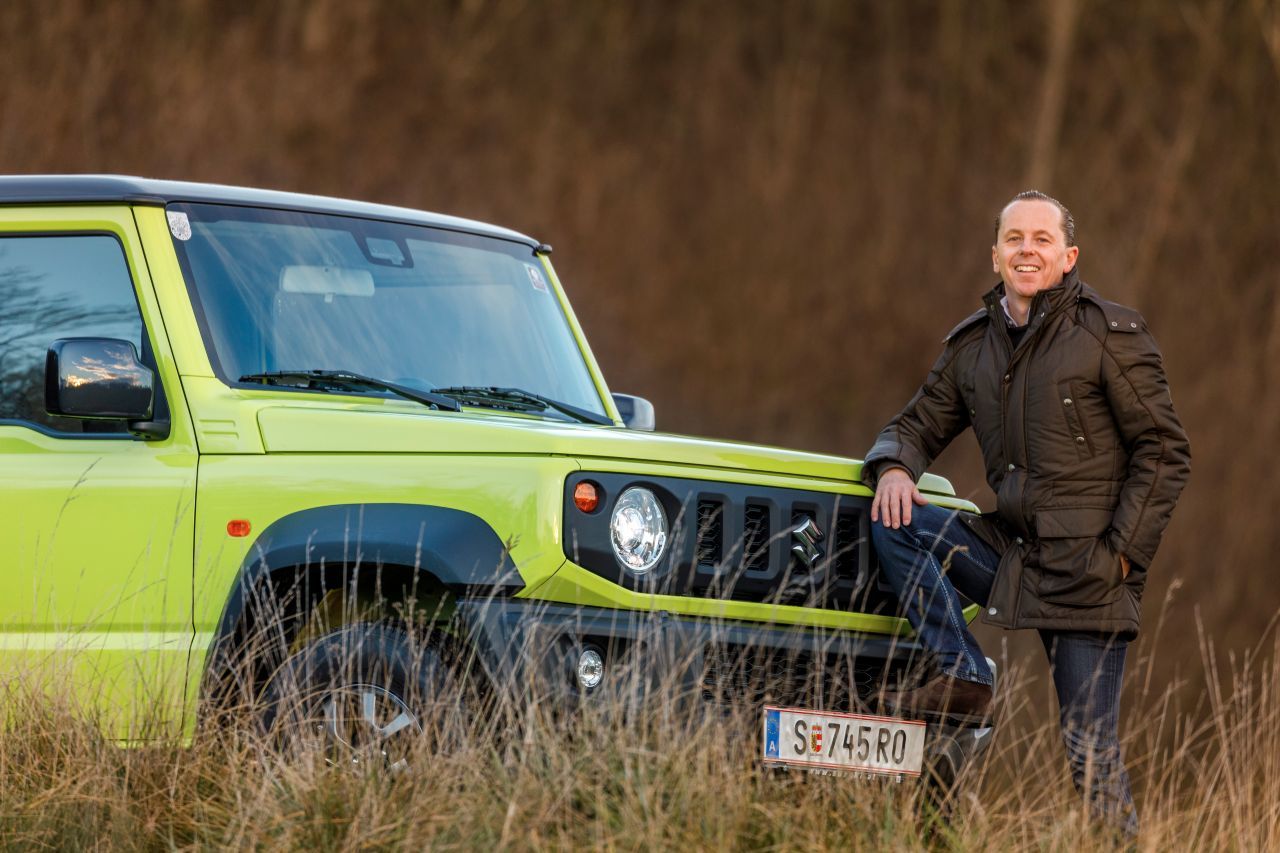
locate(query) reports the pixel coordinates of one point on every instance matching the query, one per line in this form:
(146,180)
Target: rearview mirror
(326,281)
(637,412)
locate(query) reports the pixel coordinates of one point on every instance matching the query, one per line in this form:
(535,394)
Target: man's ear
(1072,254)
(995,260)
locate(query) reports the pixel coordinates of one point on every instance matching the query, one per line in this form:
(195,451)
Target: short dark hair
(1068,224)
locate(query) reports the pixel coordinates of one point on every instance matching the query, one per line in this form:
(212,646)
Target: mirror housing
(637,412)
(100,379)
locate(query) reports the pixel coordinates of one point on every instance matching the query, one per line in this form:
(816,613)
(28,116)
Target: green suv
(231,414)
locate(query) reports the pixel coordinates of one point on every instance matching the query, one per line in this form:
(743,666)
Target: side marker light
(238,527)
(586,497)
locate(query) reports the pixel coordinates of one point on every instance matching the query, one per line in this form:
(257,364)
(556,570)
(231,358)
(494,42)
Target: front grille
(734,541)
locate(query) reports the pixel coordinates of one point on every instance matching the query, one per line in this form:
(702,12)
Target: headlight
(638,530)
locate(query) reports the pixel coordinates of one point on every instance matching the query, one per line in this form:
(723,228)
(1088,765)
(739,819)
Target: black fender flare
(456,549)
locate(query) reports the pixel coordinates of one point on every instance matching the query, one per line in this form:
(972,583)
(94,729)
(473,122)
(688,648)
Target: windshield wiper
(318,379)
(492,394)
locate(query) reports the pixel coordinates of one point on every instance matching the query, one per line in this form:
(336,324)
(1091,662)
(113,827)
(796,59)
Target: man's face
(1031,251)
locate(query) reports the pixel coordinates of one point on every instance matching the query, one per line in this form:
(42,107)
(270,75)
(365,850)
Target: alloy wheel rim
(360,725)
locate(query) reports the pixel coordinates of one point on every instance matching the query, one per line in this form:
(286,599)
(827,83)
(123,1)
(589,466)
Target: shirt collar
(1004,303)
(1049,301)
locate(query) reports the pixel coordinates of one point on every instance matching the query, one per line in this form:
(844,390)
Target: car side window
(59,286)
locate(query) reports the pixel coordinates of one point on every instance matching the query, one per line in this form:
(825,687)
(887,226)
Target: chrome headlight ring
(638,530)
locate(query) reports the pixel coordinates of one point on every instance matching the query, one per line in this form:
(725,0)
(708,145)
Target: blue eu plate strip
(771,733)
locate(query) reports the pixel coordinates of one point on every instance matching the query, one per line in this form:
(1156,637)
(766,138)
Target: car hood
(323,429)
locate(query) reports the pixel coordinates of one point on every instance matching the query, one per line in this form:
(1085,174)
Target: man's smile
(1026,268)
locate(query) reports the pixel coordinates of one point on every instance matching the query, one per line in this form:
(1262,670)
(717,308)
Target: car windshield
(420,307)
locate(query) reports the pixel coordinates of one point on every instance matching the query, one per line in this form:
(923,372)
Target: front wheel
(365,695)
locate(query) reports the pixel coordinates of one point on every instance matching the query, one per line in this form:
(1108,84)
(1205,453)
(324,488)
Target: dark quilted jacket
(1082,448)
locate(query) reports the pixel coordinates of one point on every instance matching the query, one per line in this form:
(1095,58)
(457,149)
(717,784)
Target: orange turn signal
(238,527)
(585,497)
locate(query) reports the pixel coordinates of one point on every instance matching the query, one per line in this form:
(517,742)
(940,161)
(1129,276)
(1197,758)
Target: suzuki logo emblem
(806,539)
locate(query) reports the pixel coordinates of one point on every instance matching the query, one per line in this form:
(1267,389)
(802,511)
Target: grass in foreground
(1206,773)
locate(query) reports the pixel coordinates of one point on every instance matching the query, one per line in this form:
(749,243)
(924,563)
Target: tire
(366,695)
(952,758)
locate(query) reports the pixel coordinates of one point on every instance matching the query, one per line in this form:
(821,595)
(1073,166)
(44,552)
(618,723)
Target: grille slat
(755,538)
(844,554)
(710,547)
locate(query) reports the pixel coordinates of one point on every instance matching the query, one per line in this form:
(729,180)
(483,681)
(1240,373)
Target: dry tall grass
(1206,773)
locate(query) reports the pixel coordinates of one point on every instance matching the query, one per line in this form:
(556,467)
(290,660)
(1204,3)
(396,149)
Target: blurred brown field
(767,214)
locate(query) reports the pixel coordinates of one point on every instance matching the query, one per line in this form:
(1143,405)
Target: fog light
(590,669)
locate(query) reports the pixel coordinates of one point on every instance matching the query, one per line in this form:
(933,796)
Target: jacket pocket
(1074,559)
(1075,421)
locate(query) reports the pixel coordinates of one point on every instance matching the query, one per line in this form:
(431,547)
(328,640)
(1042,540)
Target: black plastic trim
(456,548)
(73,436)
(527,649)
(526,642)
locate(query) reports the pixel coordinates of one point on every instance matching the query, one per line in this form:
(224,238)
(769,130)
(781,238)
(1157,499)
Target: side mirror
(100,379)
(637,412)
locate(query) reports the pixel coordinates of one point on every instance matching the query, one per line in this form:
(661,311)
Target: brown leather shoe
(944,696)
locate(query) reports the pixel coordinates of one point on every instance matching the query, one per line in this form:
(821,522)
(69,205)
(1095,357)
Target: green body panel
(399,427)
(95,579)
(119,565)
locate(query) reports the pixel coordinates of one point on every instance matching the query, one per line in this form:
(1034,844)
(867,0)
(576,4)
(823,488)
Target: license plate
(833,741)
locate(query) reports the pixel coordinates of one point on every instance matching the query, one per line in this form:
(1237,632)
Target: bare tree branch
(1177,155)
(1063,15)
(1268,14)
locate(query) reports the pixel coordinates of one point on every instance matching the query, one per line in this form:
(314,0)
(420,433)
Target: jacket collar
(1047,302)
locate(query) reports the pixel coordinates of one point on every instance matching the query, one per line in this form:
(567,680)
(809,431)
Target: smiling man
(1066,394)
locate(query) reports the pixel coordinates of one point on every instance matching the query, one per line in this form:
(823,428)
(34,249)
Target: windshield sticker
(179,225)
(535,276)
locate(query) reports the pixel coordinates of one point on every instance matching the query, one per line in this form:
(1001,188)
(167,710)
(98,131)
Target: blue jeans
(927,562)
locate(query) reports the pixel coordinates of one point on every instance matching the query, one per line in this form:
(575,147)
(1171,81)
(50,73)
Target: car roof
(105,189)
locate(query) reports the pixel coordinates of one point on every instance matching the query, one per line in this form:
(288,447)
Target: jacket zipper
(1033,328)
(1004,338)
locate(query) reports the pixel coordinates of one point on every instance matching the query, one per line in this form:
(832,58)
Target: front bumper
(530,650)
